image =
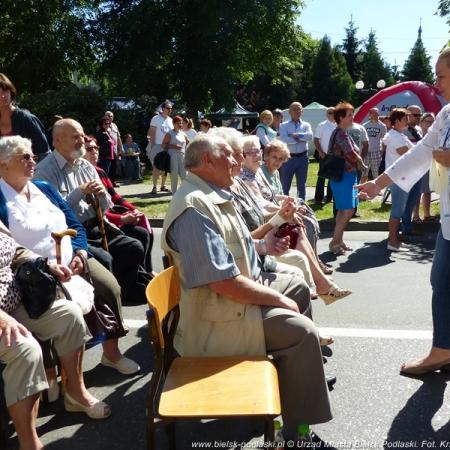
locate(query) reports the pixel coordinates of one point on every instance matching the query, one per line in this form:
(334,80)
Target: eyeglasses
(91,148)
(428,121)
(415,115)
(330,113)
(254,152)
(27,157)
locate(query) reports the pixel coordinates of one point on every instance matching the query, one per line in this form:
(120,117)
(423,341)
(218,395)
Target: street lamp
(381,84)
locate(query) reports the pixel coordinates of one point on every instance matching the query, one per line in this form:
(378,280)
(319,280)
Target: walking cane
(93,200)
(57,237)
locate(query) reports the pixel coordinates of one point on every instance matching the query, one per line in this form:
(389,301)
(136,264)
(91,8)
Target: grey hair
(10,144)
(199,146)
(248,141)
(231,135)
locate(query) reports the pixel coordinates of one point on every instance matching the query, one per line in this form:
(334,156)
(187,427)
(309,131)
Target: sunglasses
(26,157)
(91,148)
(415,115)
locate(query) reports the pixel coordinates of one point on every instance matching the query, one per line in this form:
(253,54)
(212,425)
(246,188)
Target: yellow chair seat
(220,387)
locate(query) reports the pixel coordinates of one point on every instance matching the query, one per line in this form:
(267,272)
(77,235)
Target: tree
(350,50)
(330,79)
(199,52)
(42,42)
(417,66)
(373,67)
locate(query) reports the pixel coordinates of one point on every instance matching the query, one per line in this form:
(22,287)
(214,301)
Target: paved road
(385,321)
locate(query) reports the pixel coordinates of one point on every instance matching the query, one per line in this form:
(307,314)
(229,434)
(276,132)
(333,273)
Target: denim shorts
(399,198)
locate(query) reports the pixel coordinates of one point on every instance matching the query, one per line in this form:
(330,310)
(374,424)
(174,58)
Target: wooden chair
(201,387)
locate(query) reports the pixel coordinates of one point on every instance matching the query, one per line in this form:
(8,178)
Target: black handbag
(37,286)
(332,166)
(162,161)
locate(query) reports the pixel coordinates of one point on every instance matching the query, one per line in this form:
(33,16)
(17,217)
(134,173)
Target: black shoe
(319,443)
(331,381)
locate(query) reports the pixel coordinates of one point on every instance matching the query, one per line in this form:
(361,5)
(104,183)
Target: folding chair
(201,387)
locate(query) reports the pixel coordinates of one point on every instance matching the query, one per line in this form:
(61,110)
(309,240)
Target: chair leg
(269,430)
(171,435)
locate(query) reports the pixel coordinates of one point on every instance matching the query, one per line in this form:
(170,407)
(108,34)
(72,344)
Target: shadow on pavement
(375,254)
(413,422)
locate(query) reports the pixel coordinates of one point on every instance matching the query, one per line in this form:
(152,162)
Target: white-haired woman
(254,179)
(32,210)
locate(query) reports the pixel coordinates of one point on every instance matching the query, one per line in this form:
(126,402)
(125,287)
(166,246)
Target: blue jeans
(297,165)
(413,200)
(440,283)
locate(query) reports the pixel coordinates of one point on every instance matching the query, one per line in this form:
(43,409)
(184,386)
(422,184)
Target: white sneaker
(400,248)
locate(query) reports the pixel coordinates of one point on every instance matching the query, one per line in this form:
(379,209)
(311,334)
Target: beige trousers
(24,374)
(293,341)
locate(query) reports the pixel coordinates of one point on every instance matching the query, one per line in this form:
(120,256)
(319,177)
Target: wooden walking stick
(57,236)
(95,202)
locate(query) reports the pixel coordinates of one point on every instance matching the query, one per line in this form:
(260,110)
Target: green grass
(368,210)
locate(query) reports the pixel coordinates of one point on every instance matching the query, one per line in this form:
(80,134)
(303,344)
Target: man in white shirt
(321,140)
(296,134)
(375,131)
(159,126)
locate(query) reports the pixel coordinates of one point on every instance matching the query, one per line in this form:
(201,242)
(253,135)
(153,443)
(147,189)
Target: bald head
(68,139)
(414,114)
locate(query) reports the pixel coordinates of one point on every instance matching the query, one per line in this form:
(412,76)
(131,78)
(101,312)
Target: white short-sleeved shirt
(394,140)
(163,125)
(323,132)
(32,222)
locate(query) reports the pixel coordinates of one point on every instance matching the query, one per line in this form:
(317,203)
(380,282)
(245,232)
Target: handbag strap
(86,274)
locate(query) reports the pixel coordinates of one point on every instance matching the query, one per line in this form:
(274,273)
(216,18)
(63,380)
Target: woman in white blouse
(396,144)
(433,148)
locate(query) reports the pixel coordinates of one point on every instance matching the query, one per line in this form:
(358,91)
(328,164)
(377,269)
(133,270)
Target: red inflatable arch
(402,95)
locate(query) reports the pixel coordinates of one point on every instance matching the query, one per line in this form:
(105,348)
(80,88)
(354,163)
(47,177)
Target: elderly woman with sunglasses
(123,214)
(251,175)
(32,210)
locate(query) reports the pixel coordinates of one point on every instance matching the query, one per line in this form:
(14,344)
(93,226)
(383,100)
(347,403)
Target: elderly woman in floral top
(24,374)
(345,194)
(261,191)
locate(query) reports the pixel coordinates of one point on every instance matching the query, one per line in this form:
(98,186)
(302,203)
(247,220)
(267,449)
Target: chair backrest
(163,295)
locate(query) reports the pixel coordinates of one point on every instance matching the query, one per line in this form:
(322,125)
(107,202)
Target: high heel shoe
(336,249)
(422,369)
(99,410)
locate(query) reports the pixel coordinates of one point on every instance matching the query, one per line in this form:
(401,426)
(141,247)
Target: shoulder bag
(332,166)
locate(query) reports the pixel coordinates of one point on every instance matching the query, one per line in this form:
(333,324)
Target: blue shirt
(197,239)
(296,135)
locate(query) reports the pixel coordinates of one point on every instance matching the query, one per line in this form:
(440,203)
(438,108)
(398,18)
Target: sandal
(346,247)
(153,191)
(326,269)
(334,293)
(99,410)
(164,189)
(337,249)
(325,341)
(417,220)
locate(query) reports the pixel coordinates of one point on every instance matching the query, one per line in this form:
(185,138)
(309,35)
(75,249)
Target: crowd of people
(256,243)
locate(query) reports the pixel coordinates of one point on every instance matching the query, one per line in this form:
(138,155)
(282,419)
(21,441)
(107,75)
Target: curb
(354,225)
